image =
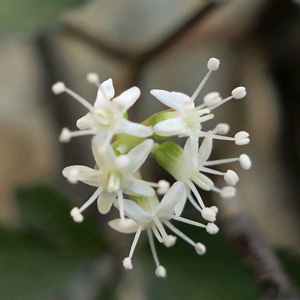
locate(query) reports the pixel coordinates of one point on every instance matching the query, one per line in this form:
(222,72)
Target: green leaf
(219,274)
(48,212)
(29,271)
(32,15)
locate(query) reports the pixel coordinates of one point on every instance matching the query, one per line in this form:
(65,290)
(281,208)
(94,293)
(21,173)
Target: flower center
(103,117)
(114,181)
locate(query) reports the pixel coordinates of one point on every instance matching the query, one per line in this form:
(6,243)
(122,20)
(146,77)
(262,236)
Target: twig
(273,283)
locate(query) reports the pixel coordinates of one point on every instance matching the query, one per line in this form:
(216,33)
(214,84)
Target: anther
(200,248)
(58,87)
(245,161)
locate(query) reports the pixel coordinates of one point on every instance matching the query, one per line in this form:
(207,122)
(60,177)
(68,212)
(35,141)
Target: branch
(273,282)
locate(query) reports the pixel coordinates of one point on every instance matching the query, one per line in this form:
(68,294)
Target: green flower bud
(148,204)
(169,156)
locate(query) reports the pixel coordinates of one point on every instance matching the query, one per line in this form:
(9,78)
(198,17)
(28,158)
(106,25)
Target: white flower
(190,166)
(152,215)
(187,119)
(106,117)
(114,177)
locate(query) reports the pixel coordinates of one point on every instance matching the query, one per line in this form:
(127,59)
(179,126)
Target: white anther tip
(212,99)
(122,162)
(239,92)
(65,135)
(213,64)
(245,161)
(222,128)
(214,209)
(76,215)
(127,264)
(231,178)
(58,88)
(163,187)
(93,78)
(160,272)
(228,192)
(200,248)
(208,214)
(212,228)
(170,241)
(242,138)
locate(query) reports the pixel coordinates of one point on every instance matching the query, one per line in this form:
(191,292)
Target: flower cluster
(120,147)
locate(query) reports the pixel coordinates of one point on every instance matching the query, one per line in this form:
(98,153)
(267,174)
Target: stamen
(212,65)
(66,135)
(93,78)
(209,214)
(135,240)
(160,227)
(211,171)
(222,102)
(195,192)
(180,234)
(157,234)
(91,199)
(152,246)
(80,99)
(194,203)
(212,228)
(121,204)
(220,161)
(187,221)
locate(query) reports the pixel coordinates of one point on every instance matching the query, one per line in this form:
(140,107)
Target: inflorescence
(120,148)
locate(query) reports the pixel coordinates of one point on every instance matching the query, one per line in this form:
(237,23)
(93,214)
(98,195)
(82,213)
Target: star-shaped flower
(106,117)
(186,119)
(152,215)
(113,177)
(188,166)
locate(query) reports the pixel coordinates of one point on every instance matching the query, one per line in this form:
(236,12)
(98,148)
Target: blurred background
(151,44)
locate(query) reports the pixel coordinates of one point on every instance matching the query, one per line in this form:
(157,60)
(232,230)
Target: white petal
(172,100)
(138,155)
(124,226)
(127,98)
(104,154)
(169,127)
(85,174)
(167,205)
(180,206)
(205,150)
(84,122)
(135,212)
(105,92)
(137,187)
(191,149)
(105,201)
(132,128)
(183,96)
